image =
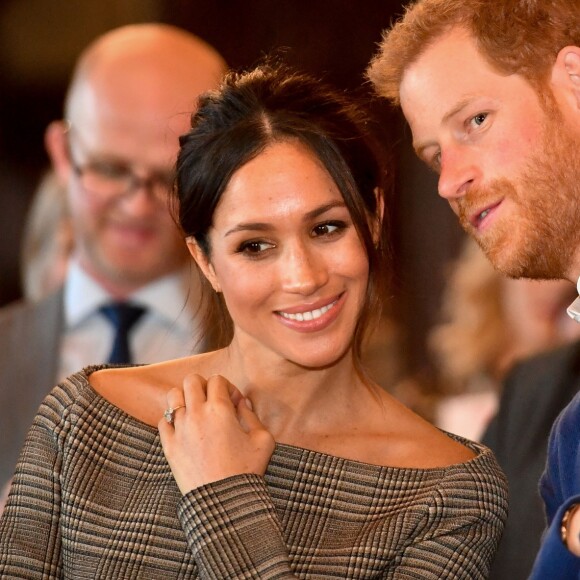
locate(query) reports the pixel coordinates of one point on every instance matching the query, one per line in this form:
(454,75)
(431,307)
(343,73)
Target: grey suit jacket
(29,352)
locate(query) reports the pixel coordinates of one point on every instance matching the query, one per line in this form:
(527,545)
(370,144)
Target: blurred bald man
(129,294)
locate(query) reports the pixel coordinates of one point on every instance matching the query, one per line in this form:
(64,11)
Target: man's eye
(110,171)
(478,119)
(436,161)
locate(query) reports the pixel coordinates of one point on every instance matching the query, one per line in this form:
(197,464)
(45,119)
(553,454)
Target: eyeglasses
(112,179)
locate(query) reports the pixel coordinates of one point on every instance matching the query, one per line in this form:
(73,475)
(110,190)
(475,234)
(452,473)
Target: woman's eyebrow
(253,226)
(263,226)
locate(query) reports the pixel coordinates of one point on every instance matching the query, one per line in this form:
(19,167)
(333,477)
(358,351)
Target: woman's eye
(328,228)
(254,247)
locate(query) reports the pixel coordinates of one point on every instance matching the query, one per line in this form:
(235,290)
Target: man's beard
(540,238)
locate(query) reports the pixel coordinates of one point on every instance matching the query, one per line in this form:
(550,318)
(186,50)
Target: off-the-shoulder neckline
(479,450)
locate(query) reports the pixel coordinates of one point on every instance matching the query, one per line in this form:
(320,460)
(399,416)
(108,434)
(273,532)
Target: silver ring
(170,413)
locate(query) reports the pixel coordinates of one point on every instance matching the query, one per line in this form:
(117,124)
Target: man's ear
(56,143)
(566,77)
(203,262)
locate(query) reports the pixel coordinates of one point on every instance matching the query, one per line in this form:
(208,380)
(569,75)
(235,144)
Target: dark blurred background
(40,40)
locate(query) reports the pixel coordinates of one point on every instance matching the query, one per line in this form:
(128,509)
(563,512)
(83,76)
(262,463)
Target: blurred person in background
(486,388)
(47,244)
(489,323)
(533,394)
(130,294)
(47,240)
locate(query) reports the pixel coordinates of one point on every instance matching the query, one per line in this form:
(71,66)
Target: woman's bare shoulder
(409,441)
(427,445)
(390,435)
(141,391)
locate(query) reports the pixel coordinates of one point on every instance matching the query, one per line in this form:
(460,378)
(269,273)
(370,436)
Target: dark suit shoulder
(29,338)
(546,362)
(26,310)
(534,393)
(534,379)
(29,350)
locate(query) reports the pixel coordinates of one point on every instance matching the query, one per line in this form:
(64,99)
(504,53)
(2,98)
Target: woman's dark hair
(270,104)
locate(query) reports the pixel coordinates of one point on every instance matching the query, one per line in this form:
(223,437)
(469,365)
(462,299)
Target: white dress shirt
(169,328)
(574,308)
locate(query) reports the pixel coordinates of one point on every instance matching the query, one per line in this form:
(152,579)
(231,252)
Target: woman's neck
(289,398)
(294,403)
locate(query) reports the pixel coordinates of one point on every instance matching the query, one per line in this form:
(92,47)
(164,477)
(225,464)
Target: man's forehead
(449,74)
(150,93)
(115,138)
(436,61)
(112,113)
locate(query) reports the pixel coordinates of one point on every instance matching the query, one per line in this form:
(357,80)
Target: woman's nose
(303,270)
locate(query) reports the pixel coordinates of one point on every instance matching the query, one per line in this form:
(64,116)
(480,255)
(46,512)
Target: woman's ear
(566,78)
(203,262)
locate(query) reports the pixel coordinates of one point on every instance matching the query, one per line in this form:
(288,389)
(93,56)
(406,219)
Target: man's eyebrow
(264,226)
(419,146)
(106,158)
(462,104)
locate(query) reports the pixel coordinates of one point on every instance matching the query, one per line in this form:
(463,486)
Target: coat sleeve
(233,531)
(30,539)
(560,488)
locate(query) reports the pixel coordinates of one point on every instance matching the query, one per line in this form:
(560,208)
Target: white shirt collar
(574,308)
(166,297)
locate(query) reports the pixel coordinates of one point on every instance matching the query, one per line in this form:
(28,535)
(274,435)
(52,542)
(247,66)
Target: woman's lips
(313,319)
(309,314)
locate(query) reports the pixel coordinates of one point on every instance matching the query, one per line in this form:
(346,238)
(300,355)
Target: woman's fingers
(248,419)
(197,391)
(165,430)
(219,388)
(175,398)
(235,394)
(214,435)
(194,390)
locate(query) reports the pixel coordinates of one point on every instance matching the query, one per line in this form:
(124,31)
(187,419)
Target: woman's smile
(309,319)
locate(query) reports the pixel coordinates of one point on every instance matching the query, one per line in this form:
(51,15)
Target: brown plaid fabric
(93,497)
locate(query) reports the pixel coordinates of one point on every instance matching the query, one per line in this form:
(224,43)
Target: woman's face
(287,257)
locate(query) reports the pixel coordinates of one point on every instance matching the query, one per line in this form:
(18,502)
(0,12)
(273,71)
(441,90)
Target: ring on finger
(169,414)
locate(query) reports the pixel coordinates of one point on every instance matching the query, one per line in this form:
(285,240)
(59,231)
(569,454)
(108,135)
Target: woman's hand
(214,433)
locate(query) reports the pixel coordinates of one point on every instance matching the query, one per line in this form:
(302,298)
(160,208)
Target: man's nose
(459,171)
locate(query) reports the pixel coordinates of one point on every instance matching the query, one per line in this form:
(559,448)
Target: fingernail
(249,404)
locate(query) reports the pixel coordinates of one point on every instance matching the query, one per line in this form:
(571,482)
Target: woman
(274,457)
